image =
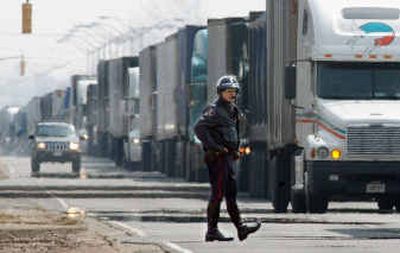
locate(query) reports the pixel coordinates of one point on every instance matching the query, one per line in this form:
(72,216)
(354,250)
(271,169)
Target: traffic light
(27,17)
(22,66)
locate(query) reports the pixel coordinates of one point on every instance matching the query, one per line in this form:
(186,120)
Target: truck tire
(76,166)
(35,166)
(280,184)
(315,203)
(385,204)
(397,204)
(298,201)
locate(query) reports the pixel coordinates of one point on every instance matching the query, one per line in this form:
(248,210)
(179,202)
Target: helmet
(227,82)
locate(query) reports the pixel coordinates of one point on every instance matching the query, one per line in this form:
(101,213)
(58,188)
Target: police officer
(218,130)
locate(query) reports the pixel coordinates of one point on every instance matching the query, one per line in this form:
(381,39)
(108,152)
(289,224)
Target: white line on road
(61,201)
(176,247)
(136,231)
(141,233)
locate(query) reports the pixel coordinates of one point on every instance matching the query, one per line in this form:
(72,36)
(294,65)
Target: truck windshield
(54,131)
(358,80)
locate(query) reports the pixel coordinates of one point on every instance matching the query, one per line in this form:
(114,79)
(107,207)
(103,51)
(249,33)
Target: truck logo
(377,27)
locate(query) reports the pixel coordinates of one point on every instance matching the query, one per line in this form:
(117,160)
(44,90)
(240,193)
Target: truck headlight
(336,154)
(74,146)
(322,152)
(41,145)
(136,140)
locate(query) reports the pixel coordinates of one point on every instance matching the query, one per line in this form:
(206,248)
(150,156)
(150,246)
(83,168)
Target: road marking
(136,231)
(176,247)
(141,233)
(61,201)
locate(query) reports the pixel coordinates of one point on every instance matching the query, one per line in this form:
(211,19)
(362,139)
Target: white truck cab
(347,102)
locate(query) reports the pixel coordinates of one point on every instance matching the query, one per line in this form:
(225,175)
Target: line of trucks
(320,102)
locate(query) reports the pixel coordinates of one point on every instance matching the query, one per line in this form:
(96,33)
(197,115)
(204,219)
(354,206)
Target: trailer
(33,114)
(103,109)
(118,85)
(229,55)
(195,83)
(46,106)
(57,100)
(67,112)
(168,131)
(92,119)
(148,102)
(180,97)
(79,84)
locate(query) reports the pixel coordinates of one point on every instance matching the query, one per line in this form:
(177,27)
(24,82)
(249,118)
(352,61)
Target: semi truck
(332,128)
(117,82)
(173,93)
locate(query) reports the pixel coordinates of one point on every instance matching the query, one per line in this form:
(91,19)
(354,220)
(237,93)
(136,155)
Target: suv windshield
(53,130)
(358,80)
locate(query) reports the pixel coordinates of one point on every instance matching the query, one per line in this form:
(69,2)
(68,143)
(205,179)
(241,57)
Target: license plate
(376,188)
(58,153)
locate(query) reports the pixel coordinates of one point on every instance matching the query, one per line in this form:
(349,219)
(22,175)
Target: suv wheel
(385,204)
(76,166)
(35,166)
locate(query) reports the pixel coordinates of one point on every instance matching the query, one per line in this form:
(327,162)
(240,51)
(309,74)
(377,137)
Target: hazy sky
(49,64)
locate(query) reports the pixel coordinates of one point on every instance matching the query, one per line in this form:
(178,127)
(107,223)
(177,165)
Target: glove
(236,155)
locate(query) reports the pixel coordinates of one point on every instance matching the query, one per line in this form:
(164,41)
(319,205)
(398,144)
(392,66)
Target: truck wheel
(397,205)
(76,166)
(298,201)
(35,166)
(385,204)
(315,203)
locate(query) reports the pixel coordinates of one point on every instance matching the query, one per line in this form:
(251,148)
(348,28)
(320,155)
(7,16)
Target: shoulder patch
(210,111)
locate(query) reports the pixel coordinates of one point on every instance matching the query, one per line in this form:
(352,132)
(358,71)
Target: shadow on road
(369,233)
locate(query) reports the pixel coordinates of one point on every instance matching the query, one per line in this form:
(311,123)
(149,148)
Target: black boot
(216,235)
(213,234)
(244,230)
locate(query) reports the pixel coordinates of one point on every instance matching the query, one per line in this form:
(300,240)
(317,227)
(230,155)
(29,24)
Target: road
(153,208)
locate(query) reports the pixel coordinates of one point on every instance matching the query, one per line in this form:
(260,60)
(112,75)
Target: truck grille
(56,146)
(373,141)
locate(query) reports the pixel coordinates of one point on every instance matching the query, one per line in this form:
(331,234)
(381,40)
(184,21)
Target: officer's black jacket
(218,127)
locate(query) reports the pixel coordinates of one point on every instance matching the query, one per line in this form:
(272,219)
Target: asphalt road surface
(153,208)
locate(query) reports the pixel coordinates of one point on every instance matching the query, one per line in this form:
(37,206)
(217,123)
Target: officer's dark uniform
(218,129)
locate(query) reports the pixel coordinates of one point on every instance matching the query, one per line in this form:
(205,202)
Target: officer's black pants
(223,184)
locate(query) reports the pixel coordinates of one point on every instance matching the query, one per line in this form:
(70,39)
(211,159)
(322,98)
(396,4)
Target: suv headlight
(41,145)
(74,146)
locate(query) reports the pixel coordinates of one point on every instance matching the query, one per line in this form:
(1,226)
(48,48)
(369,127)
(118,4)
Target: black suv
(55,142)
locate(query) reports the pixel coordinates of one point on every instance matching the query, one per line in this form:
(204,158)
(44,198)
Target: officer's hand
(236,155)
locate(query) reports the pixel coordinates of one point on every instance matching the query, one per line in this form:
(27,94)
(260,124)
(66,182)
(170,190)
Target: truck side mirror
(290,81)
(31,137)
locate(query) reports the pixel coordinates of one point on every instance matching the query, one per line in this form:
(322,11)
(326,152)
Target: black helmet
(227,82)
